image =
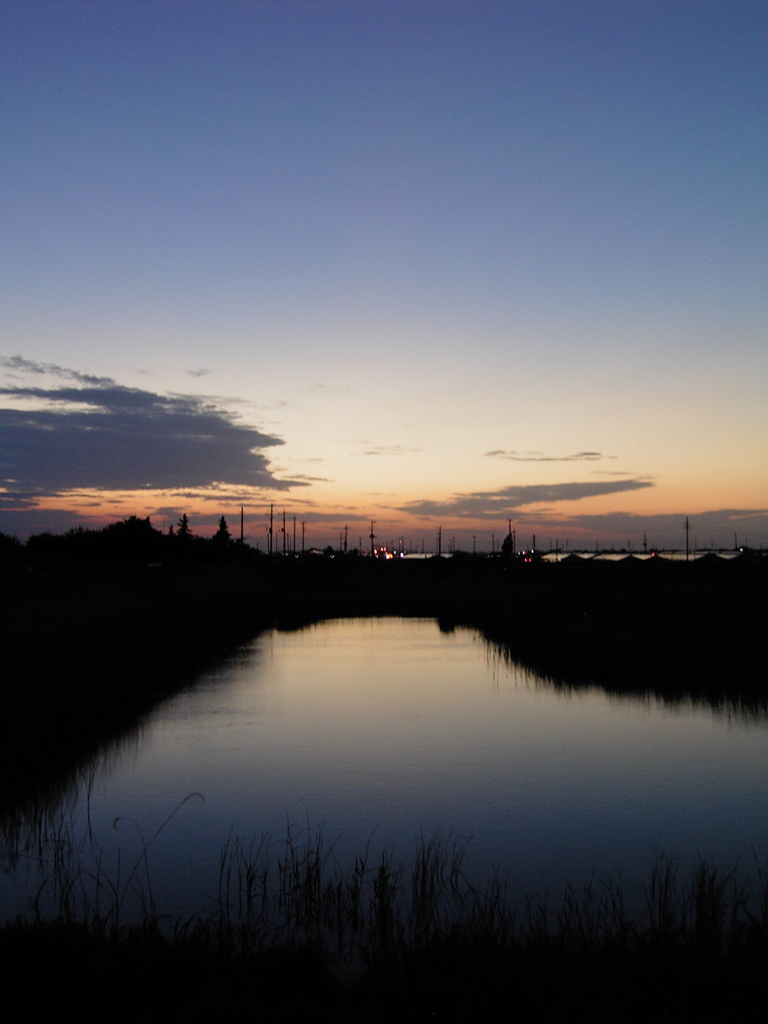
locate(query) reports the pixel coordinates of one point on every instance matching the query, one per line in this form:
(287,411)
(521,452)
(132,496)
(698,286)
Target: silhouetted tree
(131,539)
(222,535)
(10,549)
(507,547)
(184,530)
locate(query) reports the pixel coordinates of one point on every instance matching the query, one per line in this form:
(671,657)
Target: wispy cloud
(17,367)
(312,479)
(336,518)
(86,432)
(495,504)
(22,522)
(388,449)
(717,524)
(515,456)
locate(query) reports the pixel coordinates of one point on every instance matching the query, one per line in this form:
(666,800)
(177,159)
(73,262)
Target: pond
(380,731)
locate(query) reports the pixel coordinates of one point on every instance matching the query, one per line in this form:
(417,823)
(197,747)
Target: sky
(425,262)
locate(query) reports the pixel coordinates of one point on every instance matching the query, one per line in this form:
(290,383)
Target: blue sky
(436,250)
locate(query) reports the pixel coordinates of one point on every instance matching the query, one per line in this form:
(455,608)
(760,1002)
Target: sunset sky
(432,263)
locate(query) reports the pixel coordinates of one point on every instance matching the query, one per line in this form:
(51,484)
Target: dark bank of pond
(87,651)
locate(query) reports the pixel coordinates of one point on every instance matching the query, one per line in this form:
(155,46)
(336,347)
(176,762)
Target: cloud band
(496,504)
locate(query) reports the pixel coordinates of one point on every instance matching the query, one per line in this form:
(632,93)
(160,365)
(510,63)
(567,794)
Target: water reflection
(27,822)
(392,728)
(728,701)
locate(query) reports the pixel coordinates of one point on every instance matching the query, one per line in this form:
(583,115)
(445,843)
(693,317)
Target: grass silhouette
(387,940)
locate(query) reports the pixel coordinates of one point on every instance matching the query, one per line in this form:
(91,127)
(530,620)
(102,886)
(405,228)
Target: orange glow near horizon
(581,522)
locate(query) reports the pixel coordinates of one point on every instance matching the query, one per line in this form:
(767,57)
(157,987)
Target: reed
(389,939)
(295,892)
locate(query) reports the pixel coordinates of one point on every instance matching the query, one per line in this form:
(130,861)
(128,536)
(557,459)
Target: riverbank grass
(294,934)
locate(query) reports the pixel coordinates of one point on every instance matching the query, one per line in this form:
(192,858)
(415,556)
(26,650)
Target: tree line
(128,541)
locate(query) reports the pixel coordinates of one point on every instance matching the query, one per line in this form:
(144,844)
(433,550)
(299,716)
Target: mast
(686,538)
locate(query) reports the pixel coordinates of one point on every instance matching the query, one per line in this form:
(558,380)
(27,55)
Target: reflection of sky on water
(390,725)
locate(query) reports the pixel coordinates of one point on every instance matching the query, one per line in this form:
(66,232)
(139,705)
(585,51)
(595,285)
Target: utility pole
(294,533)
(474,544)
(241,525)
(686,538)
(271,524)
(346,537)
(284,537)
(439,541)
(372,535)
(303,524)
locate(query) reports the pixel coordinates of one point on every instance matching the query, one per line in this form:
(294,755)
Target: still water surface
(390,728)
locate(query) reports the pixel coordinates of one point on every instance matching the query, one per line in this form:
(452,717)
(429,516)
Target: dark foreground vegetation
(98,627)
(295,937)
